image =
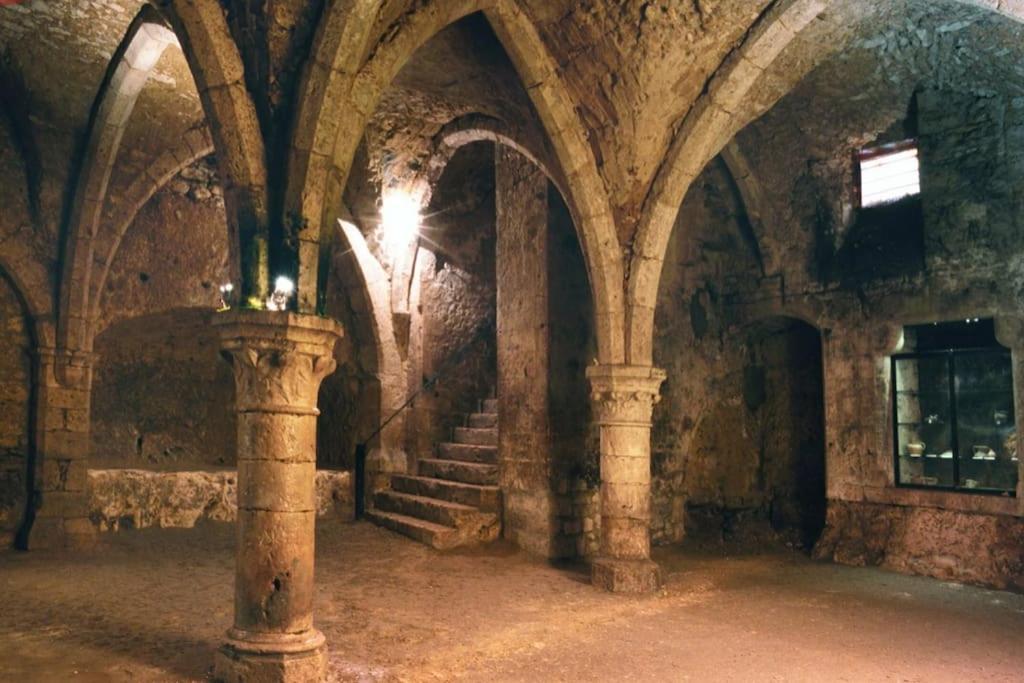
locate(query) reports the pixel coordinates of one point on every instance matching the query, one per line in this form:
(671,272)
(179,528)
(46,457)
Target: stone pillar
(623,401)
(279,360)
(59,510)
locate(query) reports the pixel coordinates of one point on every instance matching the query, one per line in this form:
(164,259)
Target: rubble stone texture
(121,499)
(639,231)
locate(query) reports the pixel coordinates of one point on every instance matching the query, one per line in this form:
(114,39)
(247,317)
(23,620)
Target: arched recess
(714,119)
(219,73)
(129,69)
(194,146)
(369,287)
(322,162)
(458,133)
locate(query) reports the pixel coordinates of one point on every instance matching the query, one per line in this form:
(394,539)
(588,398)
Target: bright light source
(284,288)
(284,285)
(400,220)
(888,176)
(226,297)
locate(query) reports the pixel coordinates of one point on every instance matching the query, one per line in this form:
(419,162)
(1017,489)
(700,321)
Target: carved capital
(279,358)
(624,395)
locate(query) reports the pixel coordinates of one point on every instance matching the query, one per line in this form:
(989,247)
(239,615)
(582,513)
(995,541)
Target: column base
(625,576)
(270,659)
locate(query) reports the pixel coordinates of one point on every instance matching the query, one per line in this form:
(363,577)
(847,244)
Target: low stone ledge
(945,544)
(130,498)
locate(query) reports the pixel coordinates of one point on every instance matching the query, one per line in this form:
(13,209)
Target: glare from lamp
(284,288)
(226,296)
(400,220)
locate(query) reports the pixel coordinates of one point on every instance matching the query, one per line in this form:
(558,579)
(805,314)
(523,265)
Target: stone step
(466,452)
(489,405)
(486,498)
(422,507)
(478,437)
(435,535)
(483,420)
(454,470)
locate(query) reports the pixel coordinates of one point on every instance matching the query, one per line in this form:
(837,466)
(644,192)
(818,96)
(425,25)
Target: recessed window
(889,173)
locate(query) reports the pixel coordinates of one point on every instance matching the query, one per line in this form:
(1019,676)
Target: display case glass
(954,412)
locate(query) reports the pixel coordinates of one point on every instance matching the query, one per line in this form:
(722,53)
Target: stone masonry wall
(15,397)
(135,499)
(953,254)
(548,453)
(161,394)
(162,397)
(456,300)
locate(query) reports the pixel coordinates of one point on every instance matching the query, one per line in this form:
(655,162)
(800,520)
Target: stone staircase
(455,499)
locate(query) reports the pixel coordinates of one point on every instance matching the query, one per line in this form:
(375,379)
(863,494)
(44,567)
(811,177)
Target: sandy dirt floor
(151,606)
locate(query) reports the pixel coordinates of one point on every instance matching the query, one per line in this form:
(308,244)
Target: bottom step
(473,527)
(434,535)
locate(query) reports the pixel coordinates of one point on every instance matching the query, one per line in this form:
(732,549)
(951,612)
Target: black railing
(482,331)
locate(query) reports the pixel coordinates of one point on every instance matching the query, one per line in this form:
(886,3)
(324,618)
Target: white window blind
(889,176)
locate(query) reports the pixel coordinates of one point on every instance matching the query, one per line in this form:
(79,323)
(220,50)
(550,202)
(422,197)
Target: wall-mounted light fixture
(400,220)
(284,288)
(227,296)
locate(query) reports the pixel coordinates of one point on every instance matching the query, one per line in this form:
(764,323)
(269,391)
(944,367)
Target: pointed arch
(129,69)
(194,146)
(219,73)
(713,120)
(317,184)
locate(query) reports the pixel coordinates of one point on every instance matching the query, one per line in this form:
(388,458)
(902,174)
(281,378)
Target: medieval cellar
(511,340)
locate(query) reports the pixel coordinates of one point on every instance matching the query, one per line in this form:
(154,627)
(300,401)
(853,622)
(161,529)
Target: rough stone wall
(161,394)
(946,544)
(123,499)
(737,443)
(837,266)
(456,299)
(574,442)
(548,453)
(524,355)
(175,253)
(162,397)
(15,397)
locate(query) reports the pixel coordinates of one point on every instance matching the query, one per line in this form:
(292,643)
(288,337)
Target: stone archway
(323,157)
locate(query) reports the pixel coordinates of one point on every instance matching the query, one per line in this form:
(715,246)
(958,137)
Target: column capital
(625,394)
(279,358)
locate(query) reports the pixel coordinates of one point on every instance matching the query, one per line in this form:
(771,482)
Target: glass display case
(955,426)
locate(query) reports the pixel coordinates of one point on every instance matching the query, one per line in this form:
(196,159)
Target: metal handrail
(454,359)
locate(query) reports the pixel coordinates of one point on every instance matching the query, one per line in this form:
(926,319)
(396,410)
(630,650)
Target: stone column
(59,511)
(623,400)
(279,360)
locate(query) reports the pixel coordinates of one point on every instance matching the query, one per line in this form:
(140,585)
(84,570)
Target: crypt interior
(565,339)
